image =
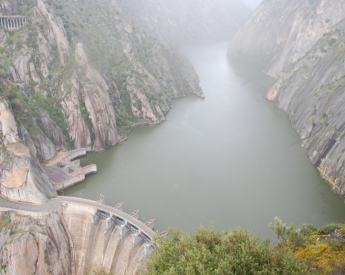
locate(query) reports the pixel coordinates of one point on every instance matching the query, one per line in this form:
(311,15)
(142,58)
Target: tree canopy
(228,252)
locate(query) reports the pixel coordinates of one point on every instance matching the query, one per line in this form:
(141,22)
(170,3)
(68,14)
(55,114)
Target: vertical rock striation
(280,32)
(302,44)
(21,176)
(33,244)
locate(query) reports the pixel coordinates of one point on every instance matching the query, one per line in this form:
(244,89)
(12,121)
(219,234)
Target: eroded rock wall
(80,75)
(33,244)
(21,175)
(280,32)
(312,92)
(302,44)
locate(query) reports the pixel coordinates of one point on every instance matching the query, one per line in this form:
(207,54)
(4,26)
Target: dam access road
(51,204)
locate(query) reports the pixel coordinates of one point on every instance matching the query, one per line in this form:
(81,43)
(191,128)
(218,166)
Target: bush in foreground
(322,250)
(227,252)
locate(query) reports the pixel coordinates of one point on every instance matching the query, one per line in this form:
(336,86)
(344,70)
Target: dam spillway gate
(12,22)
(126,227)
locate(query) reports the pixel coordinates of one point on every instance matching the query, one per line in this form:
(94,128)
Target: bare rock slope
(312,92)
(22,177)
(33,244)
(280,32)
(302,44)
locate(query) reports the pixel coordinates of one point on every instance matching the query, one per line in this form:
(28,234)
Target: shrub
(9,41)
(226,252)
(328,229)
(282,231)
(2,49)
(49,196)
(13,104)
(14,87)
(307,229)
(2,73)
(118,123)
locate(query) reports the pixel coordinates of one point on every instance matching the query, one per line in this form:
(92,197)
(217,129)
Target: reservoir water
(232,158)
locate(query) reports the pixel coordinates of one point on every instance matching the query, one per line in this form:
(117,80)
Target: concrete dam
(98,235)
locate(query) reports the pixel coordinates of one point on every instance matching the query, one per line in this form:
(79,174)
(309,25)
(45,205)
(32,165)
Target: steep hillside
(35,244)
(81,74)
(280,32)
(21,175)
(303,43)
(77,74)
(179,21)
(313,93)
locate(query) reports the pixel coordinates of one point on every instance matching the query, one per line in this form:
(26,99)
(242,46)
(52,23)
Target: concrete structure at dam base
(98,235)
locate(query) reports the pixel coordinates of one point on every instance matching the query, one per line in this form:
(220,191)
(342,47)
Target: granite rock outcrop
(86,86)
(302,44)
(280,32)
(312,92)
(33,244)
(22,178)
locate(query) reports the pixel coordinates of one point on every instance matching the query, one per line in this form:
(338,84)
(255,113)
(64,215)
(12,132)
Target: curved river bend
(232,158)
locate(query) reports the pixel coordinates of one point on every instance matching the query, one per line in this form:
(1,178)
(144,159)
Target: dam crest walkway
(127,220)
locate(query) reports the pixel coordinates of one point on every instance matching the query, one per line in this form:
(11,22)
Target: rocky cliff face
(179,21)
(33,245)
(21,177)
(280,32)
(79,74)
(305,50)
(312,92)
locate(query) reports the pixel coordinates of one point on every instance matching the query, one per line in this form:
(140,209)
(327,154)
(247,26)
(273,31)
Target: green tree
(228,252)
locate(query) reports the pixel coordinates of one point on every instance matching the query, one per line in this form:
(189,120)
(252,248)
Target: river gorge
(232,158)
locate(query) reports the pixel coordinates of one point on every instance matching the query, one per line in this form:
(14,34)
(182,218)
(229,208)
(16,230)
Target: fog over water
(232,158)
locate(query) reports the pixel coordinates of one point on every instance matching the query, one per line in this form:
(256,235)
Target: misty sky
(252,4)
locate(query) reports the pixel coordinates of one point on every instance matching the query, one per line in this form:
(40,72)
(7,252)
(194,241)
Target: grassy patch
(4,223)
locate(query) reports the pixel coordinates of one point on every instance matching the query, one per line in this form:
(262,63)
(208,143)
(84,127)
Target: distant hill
(180,21)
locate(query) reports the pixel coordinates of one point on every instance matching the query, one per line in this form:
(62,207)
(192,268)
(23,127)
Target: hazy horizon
(252,4)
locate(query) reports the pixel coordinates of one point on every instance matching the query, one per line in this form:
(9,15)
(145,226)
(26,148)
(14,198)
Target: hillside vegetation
(80,74)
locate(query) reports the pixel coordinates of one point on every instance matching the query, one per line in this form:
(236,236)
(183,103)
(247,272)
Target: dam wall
(103,241)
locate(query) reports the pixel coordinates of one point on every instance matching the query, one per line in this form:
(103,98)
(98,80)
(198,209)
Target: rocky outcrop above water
(35,244)
(312,92)
(80,75)
(179,21)
(280,32)
(22,177)
(302,43)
